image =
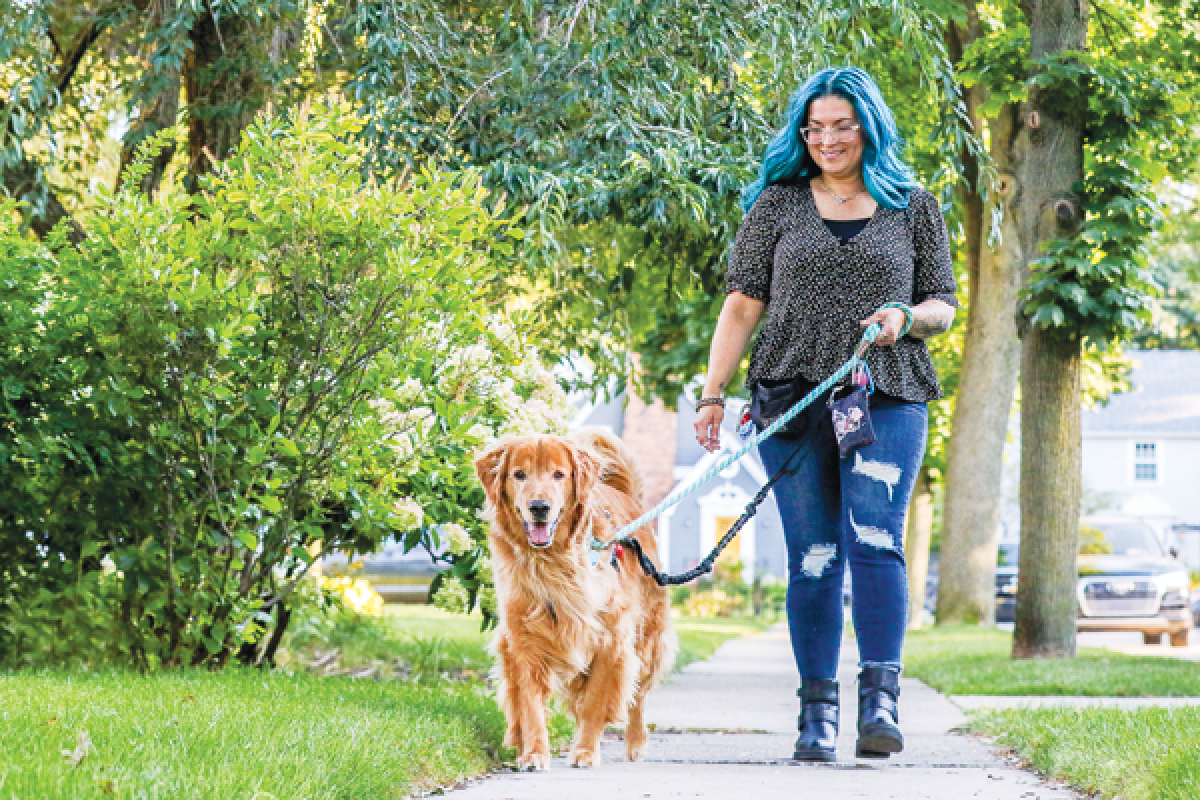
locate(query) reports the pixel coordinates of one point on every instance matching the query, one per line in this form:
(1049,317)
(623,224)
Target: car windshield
(1121,539)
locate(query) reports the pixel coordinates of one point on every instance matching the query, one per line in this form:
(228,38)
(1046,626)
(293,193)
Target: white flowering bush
(435,421)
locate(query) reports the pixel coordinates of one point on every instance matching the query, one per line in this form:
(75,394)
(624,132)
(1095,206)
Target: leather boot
(818,721)
(878,692)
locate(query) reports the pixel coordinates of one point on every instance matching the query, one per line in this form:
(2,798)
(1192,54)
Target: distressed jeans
(837,511)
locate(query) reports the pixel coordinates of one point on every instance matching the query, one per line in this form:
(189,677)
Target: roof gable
(1165,398)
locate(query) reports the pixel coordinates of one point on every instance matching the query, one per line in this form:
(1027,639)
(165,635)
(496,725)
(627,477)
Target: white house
(1141,451)
(669,456)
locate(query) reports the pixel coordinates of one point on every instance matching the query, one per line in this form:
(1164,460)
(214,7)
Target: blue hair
(889,180)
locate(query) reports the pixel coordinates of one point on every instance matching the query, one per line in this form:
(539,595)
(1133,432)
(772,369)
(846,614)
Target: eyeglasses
(840,133)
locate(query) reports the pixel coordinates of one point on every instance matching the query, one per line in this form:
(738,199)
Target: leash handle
(869,336)
(706,566)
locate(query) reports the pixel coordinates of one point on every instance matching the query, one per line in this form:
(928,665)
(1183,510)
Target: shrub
(211,391)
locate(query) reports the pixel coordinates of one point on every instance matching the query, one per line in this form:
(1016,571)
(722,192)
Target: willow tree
(72,71)
(628,130)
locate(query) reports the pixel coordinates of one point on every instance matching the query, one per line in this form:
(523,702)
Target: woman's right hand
(708,427)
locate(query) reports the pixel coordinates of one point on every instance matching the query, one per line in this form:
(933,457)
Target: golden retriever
(599,634)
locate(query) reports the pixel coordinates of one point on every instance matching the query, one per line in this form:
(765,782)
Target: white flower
(411,393)
(474,357)
(406,514)
(483,570)
(503,330)
(481,433)
(530,366)
(464,370)
(381,405)
(452,596)
(456,538)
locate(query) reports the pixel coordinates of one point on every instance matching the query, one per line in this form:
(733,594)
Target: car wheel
(1180,638)
(1151,638)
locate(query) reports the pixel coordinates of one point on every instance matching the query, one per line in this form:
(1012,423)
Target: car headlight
(1174,588)
(1174,599)
(1173,582)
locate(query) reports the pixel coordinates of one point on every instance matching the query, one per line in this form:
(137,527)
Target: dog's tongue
(539,534)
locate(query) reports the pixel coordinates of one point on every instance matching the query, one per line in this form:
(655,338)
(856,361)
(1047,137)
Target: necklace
(824,187)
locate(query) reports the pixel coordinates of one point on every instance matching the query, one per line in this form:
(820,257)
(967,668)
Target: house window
(1145,462)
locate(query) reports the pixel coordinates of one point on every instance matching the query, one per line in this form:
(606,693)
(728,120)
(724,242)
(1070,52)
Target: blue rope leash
(724,461)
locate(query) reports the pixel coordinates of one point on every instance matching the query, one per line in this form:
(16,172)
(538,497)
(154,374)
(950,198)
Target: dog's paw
(534,762)
(635,752)
(584,758)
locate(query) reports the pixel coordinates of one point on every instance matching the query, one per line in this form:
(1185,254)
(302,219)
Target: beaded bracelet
(908,317)
(716,400)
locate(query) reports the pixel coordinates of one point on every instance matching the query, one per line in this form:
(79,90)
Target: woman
(838,235)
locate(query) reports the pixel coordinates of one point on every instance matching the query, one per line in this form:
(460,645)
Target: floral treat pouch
(852,415)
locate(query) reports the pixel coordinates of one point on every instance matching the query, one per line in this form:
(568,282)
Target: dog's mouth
(540,533)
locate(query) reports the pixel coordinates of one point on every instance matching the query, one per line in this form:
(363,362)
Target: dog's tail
(617,467)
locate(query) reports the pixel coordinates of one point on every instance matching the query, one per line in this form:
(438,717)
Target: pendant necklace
(824,187)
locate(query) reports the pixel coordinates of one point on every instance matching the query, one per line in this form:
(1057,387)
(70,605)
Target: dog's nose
(539,508)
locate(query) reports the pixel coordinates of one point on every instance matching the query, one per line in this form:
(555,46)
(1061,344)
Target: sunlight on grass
(239,733)
(971,660)
(699,638)
(1147,754)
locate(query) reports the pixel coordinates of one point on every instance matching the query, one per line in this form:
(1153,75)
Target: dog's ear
(586,469)
(490,466)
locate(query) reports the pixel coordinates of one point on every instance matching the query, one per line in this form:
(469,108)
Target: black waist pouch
(769,401)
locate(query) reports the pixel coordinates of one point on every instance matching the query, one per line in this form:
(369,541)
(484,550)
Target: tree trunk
(966,577)
(1050,147)
(1051,485)
(222,79)
(161,112)
(917,534)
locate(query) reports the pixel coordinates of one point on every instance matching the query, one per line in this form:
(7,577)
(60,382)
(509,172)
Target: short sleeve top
(818,289)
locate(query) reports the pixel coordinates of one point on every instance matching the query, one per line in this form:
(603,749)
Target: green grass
(271,736)
(972,660)
(420,640)
(433,642)
(699,638)
(239,733)
(1147,754)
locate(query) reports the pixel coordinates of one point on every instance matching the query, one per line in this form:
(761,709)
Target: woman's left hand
(891,321)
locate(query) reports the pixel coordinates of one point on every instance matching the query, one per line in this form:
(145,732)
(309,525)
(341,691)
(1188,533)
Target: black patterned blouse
(818,289)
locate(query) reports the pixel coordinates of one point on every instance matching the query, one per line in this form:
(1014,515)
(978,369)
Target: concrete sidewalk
(725,729)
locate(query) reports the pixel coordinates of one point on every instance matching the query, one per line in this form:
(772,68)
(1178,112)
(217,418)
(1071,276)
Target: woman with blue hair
(838,235)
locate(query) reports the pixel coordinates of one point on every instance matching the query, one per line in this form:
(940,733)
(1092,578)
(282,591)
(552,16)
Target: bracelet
(715,400)
(908,316)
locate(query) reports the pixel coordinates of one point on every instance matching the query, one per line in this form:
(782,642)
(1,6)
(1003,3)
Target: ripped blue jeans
(837,511)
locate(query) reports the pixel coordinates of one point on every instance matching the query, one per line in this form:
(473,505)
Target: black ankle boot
(878,734)
(818,721)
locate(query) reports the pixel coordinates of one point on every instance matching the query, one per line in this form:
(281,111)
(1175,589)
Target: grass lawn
(434,641)
(276,735)
(419,640)
(239,733)
(1147,754)
(971,660)
(699,638)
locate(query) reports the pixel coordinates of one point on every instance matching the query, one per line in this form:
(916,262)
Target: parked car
(1127,582)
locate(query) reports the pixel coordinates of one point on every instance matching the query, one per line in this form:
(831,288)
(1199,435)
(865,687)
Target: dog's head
(540,479)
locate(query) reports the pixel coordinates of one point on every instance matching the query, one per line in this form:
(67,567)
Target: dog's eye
(519,474)
(559,475)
